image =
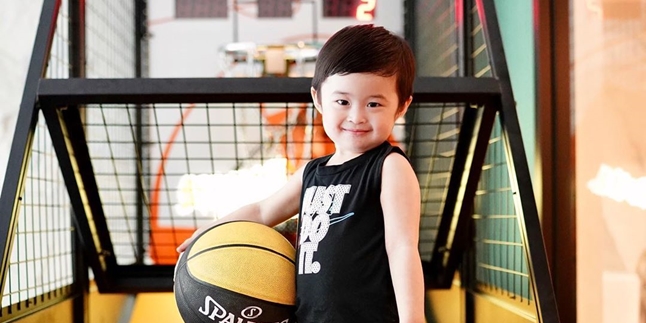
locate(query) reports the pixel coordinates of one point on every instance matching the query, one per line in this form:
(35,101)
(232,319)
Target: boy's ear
(405,107)
(315,99)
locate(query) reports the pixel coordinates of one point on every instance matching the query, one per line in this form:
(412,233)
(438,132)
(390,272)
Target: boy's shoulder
(396,149)
(377,154)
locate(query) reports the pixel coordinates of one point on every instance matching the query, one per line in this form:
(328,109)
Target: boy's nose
(356,115)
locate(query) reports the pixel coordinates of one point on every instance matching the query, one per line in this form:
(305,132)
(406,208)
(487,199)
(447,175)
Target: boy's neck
(340,158)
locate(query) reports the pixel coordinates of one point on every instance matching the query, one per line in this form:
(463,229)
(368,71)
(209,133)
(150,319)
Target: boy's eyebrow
(379,96)
(374,96)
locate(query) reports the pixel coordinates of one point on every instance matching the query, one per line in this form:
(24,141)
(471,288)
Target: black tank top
(342,266)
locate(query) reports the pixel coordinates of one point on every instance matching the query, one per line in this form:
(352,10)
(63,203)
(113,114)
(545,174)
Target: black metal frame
(520,179)
(65,126)
(63,92)
(141,45)
(452,237)
(410,32)
(77,69)
(68,136)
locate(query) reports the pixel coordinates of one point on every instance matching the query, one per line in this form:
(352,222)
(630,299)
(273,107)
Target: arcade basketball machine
(146,161)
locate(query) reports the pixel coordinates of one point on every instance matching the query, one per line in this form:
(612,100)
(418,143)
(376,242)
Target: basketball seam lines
(240,245)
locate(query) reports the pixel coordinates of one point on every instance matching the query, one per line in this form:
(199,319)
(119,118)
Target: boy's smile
(359,111)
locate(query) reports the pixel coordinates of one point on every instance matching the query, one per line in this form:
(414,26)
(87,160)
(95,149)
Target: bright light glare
(216,195)
(619,185)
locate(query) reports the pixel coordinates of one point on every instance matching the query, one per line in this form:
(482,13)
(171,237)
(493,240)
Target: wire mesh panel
(437,40)
(40,268)
(59,57)
(115,168)
(202,161)
(193,162)
(199,162)
(434,130)
(479,57)
(110,43)
(41,261)
(437,48)
(110,38)
(500,260)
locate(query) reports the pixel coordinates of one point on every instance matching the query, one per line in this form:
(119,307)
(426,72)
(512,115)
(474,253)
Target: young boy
(357,248)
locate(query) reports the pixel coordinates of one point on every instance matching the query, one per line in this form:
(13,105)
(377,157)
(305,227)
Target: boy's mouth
(355,130)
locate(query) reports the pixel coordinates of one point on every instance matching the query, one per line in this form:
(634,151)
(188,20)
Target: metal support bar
(76,9)
(465,62)
(410,27)
(69,142)
(139,166)
(526,210)
(452,238)
(140,36)
(23,135)
(59,92)
(81,278)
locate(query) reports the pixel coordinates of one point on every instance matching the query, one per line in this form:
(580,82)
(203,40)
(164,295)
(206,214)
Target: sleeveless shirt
(342,269)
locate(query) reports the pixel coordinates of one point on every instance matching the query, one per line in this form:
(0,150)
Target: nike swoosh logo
(340,218)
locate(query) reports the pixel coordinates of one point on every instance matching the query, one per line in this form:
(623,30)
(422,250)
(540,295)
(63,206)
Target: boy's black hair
(367,49)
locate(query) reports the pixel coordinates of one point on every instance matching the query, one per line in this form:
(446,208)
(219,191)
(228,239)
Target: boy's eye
(342,102)
(373,104)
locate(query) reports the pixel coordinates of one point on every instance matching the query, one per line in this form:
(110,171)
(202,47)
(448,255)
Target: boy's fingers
(181,247)
(188,241)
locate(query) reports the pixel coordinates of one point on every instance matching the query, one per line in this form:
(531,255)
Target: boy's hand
(184,244)
(188,241)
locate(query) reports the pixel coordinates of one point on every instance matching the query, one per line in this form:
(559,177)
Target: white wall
(18,22)
(188,47)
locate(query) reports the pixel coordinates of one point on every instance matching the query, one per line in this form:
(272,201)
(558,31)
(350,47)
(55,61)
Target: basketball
(240,272)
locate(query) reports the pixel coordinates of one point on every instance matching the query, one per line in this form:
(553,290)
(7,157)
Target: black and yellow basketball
(237,272)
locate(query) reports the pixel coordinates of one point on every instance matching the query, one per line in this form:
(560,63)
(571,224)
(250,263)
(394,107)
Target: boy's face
(359,110)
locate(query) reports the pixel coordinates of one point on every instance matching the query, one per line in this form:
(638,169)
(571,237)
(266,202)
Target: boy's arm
(271,211)
(400,199)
